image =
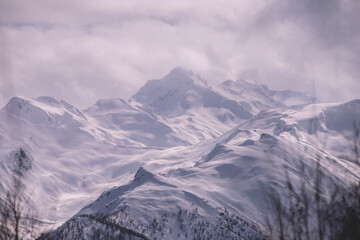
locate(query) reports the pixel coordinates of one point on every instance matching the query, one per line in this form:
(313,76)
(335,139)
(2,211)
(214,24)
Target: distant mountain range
(189,160)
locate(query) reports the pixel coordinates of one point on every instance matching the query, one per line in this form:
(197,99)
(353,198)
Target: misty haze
(180,120)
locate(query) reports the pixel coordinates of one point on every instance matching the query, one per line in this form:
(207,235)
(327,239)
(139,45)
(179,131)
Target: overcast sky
(81,51)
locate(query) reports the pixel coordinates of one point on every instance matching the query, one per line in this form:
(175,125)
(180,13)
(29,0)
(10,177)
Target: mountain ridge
(196,167)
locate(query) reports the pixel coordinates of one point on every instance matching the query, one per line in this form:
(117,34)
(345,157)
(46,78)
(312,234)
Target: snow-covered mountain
(182,90)
(119,118)
(188,159)
(225,173)
(198,111)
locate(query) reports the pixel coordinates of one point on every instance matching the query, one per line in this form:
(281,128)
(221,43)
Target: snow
(177,145)
(44,111)
(182,90)
(120,119)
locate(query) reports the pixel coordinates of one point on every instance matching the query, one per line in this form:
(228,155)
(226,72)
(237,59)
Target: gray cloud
(83,51)
(330,52)
(6,86)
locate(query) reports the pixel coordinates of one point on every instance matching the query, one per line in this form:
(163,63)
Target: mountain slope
(229,172)
(197,110)
(157,209)
(119,118)
(45,111)
(190,159)
(65,154)
(181,90)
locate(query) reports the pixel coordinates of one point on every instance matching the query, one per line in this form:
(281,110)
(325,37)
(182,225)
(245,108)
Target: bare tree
(356,142)
(308,212)
(16,212)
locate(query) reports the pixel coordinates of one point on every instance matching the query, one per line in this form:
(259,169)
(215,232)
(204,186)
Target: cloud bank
(81,51)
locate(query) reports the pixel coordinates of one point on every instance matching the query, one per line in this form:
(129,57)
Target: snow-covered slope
(65,153)
(45,111)
(198,111)
(179,191)
(187,159)
(119,118)
(182,90)
(256,97)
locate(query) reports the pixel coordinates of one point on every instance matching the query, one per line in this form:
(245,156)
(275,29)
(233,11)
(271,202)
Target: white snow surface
(178,143)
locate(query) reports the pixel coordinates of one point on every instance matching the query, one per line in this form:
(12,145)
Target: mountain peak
(18,104)
(16,101)
(180,76)
(181,71)
(167,93)
(182,90)
(43,111)
(143,174)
